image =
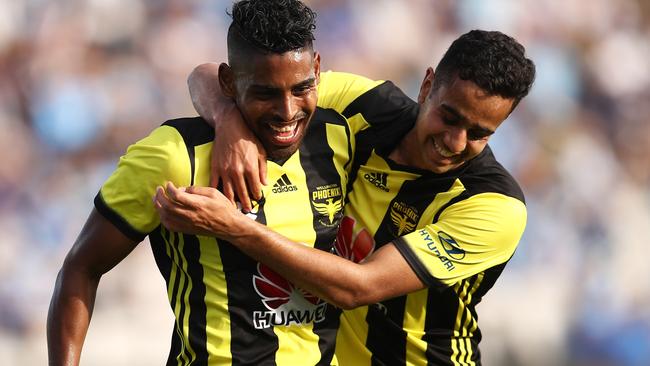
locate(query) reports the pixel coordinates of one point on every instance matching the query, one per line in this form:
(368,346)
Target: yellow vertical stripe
(470,323)
(351,338)
(457,343)
(454,351)
(175,276)
(217,317)
(297,343)
(341,154)
(185,301)
(461,309)
(461,340)
(414,320)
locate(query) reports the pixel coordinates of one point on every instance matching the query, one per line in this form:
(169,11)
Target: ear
(427,85)
(227,80)
(317,67)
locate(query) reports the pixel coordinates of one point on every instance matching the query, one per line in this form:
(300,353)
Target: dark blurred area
(81,80)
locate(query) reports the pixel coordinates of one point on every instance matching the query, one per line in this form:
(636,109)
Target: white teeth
(284,128)
(442,151)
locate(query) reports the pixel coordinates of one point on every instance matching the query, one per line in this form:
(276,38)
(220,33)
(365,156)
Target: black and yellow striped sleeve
(125,199)
(470,236)
(366,103)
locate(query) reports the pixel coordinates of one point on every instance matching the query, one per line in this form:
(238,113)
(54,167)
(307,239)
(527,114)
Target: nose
(287,107)
(456,139)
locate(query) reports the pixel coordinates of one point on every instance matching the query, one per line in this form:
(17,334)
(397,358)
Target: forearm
(332,278)
(207,97)
(69,316)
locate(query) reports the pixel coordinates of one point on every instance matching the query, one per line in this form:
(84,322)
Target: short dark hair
(270,26)
(492,60)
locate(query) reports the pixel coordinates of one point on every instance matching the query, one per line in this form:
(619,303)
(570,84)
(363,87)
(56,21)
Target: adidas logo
(378,179)
(283,184)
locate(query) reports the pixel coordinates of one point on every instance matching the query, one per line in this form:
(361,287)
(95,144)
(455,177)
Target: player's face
(455,123)
(277,97)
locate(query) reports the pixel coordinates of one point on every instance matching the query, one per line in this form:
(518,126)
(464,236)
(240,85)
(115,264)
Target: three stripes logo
(283,184)
(378,179)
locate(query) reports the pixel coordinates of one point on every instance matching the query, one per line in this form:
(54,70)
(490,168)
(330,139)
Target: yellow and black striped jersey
(456,230)
(230,309)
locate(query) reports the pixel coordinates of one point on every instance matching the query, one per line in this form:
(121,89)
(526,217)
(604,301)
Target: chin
(281,153)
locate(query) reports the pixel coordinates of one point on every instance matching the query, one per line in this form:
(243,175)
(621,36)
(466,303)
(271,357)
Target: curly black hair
(492,60)
(270,26)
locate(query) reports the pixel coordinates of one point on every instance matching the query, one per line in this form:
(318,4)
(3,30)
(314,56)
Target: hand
(195,210)
(238,160)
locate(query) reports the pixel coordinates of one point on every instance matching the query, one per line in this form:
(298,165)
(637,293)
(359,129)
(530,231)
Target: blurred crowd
(80,80)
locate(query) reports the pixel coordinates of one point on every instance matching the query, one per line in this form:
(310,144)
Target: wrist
(240,229)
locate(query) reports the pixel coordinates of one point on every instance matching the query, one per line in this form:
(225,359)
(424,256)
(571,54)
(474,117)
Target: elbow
(204,68)
(351,298)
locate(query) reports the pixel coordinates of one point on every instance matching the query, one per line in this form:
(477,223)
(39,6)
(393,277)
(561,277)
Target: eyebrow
(266,88)
(474,126)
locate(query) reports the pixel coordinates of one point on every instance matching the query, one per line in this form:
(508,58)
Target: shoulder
(485,174)
(193,130)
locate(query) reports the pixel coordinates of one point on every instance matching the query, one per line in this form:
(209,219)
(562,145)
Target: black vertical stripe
(248,346)
(316,159)
(194,131)
(177,339)
(164,263)
(179,293)
(197,319)
(386,336)
(442,307)
(364,147)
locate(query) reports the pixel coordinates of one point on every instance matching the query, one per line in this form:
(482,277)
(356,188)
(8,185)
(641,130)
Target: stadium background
(80,80)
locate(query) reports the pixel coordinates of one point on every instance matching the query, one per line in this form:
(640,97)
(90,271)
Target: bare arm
(238,159)
(99,247)
(385,274)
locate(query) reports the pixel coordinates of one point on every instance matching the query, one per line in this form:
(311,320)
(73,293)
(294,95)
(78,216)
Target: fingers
(173,215)
(204,191)
(261,166)
(242,193)
(227,189)
(178,195)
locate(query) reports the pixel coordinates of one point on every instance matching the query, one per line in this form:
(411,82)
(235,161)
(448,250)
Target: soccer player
(230,309)
(430,225)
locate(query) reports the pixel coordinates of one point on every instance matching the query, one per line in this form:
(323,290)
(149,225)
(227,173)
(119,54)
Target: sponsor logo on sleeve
(448,248)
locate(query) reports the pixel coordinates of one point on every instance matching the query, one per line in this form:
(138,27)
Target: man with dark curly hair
(229,308)
(431,219)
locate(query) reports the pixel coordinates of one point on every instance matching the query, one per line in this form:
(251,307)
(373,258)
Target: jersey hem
(116,219)
(417,266)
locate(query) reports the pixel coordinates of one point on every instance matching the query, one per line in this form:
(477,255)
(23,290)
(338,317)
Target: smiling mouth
(443,151)
(285,133)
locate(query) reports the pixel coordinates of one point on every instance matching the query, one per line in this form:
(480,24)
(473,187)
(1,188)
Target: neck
(402,151)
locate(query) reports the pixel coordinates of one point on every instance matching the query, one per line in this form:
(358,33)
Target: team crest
(286,304)
(328,202)
(403,217)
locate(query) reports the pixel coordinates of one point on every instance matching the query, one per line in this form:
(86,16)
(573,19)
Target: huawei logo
(355,247)
(275,290)
(287,304)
